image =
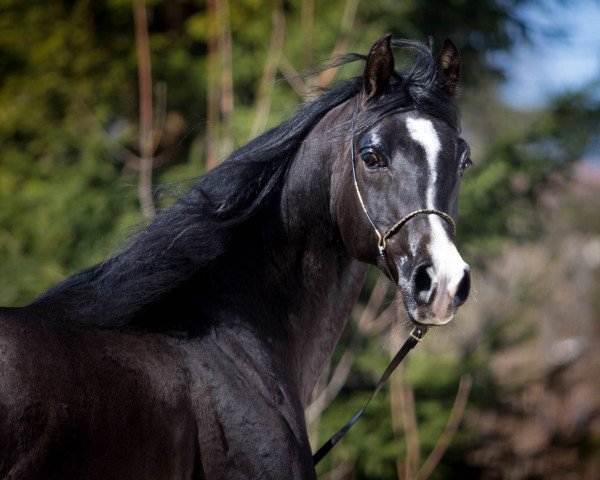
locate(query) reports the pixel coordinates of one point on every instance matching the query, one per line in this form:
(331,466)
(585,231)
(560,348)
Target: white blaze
(448,265)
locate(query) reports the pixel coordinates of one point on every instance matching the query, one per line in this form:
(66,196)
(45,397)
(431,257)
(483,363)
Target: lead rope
(418,332)
(415,337)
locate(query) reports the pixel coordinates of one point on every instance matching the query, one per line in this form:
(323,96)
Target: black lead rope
(415,337)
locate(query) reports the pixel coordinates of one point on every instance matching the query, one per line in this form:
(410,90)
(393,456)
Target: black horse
(192,353)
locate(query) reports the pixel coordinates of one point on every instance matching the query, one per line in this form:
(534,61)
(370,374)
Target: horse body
(109,404)
(193,353)
(123,396)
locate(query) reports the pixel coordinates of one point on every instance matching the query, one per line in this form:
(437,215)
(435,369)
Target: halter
(383,238)
(418,332)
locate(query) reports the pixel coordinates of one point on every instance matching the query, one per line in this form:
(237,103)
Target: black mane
(191,237)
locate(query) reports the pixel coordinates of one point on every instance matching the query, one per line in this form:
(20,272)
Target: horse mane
(189,238)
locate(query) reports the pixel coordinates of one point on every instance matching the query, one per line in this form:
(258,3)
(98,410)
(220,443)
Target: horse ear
(448,68)
(379,67)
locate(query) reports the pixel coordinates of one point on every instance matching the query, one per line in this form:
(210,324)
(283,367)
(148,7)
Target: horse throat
(317,320)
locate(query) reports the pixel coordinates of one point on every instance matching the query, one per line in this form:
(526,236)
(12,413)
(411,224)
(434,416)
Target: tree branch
(456,415)
(292,77)
(404,416)
(145,99)
(411,428)
(265,90)
(158,127)
(226,56)
(307,12)
(346,25)
(340,471)
(338,379)
(369,323)
(213,93)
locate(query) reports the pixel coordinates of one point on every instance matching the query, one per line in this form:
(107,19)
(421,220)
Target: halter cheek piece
(418,332)
(383,238)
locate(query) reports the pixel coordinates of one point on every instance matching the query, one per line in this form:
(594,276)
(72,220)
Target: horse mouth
(429,319)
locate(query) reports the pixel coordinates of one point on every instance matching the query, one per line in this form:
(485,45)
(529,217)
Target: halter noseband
(383,238)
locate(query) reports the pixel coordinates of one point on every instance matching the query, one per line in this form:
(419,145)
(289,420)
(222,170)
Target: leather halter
(418,332)
(383,238)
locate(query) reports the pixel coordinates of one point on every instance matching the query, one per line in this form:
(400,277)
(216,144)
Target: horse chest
(250,421)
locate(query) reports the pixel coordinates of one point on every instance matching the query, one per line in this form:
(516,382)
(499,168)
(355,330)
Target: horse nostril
(464,287)
(423,284)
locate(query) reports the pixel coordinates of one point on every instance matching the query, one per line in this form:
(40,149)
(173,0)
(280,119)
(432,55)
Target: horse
(193,351)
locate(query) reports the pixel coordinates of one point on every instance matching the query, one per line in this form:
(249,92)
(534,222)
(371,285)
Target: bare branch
(212,124)
(369,323)
(226,56)
(382,322)
(265,90)
(129,159)
(404,417)
(396,409)
(341,46)
(146,115)
(307,12)
(158,127)
(456,415)
(340,471)
(338,379)
(132,162)
(411,428)
(124,154)
(292,77)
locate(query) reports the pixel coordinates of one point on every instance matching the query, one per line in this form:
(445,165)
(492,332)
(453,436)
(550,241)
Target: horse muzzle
(437,292)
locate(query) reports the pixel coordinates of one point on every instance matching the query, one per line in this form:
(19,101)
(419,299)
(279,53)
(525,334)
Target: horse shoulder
(81,402)
(250,419)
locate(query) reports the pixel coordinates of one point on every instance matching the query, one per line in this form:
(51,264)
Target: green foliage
(68,90)
(500,194)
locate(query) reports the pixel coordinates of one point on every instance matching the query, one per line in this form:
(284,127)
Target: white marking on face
(448,265)
(422,131)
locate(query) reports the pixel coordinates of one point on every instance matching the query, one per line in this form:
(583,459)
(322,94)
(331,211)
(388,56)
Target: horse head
(406,160)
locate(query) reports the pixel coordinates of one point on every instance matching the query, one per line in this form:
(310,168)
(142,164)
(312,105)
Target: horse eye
(466,162)
(370,158)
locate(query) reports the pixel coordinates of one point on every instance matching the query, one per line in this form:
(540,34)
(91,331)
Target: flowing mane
(190,238)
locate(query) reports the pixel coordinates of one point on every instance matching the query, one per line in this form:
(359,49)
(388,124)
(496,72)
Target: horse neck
(299,282)
(331,279)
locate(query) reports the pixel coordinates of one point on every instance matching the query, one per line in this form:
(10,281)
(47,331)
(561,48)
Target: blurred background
(109,108)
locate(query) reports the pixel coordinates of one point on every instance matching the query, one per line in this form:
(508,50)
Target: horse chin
(426,317)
